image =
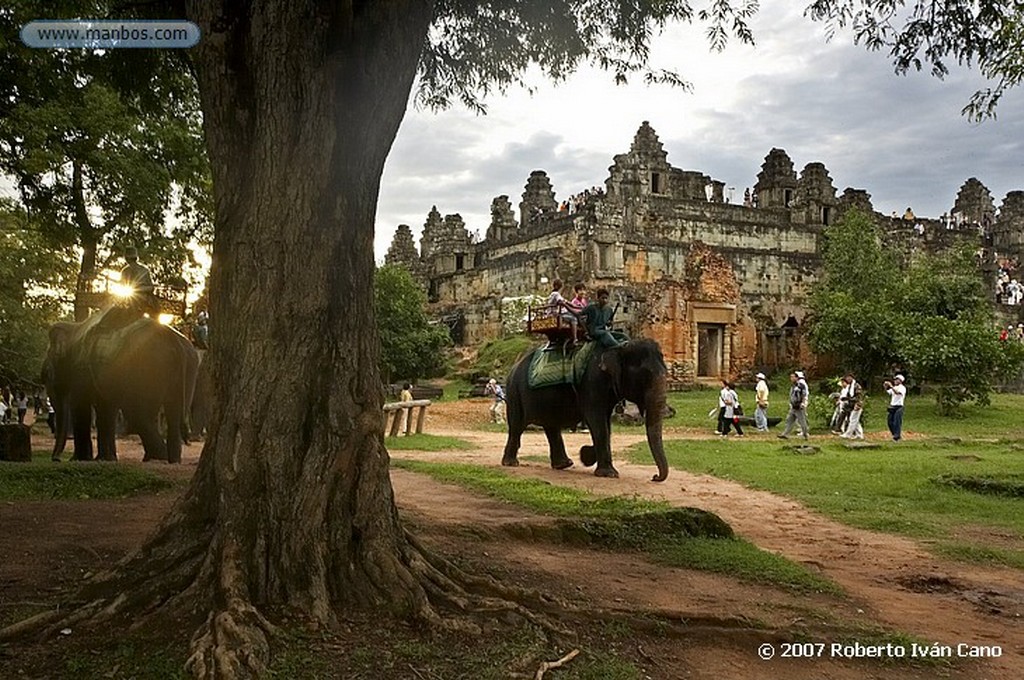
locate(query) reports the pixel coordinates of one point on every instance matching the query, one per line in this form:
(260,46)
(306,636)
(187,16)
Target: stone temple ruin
(721,286)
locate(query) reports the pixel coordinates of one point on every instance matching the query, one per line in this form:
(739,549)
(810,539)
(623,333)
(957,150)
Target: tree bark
(88,238)
(301,103)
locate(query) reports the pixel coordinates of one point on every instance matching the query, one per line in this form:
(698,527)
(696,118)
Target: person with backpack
(798,395)
(498,407)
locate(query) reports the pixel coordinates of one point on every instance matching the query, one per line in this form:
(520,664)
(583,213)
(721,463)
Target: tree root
(232,643)
(449,588)
(550,665)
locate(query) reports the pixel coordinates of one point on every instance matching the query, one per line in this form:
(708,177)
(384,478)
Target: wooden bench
(396,410)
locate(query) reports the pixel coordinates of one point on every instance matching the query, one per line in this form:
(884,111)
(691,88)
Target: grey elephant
(635,371)
(140,367)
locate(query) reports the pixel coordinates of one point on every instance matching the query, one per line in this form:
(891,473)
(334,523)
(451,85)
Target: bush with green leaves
(411,346)
(929,314)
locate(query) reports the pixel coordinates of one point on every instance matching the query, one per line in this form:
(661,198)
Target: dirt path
(891,580)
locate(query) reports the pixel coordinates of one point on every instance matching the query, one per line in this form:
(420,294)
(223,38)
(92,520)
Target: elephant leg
(106,422)
(559,459)
(152,442)
(511,456)
(602,437)
(175,431)
(81,421)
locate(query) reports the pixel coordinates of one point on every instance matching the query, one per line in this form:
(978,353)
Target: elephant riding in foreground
(600,379)
(106,364)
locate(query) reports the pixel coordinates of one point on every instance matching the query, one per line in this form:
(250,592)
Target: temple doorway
(710,349)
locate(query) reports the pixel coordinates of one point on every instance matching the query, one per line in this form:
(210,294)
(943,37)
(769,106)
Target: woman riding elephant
(138,368)
(634,371)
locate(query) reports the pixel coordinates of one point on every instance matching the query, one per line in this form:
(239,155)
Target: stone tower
(815,196)
(450,250)
(431,230)
(776,183)
(858,199)
(1008,231)
(643,170)
(538,197)
(974,203)
(503,221)
(403,251)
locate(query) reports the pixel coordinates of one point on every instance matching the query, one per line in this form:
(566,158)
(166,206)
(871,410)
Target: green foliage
(104,146)
(932,316)
(31,268)
(819,412)
(411,346)
(43,480)
(514,311)
(960,356)
(497,357)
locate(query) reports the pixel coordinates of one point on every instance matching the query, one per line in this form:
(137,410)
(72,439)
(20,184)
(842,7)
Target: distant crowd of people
(570,206)
(14,406)
(846,418)
(1009,290)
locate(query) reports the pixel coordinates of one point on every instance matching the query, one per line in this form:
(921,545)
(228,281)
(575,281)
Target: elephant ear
(611,363)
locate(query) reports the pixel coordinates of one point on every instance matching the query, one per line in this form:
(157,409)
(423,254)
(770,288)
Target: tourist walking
(51,416)
(730,411)
(406,395)
(855,403)
(897,393)
(761,395)
(22,405)
(498,407)
(797,405)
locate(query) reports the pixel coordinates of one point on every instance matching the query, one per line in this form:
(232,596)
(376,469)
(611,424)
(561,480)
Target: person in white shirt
(761,412)
(897,393)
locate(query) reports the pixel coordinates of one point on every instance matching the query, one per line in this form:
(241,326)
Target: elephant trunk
(60,412)
(654,407)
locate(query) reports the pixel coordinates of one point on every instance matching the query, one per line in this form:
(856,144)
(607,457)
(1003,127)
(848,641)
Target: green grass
(42,479)
(425,442)
(891,489)
(452,388)
(497,357)
(401,653)
(537,495)
(633,523)
(126,660)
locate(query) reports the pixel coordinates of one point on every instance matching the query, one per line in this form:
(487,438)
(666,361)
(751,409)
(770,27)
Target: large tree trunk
(302,103)
(291,503)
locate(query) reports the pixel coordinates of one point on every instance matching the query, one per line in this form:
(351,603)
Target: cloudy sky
(901,138)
